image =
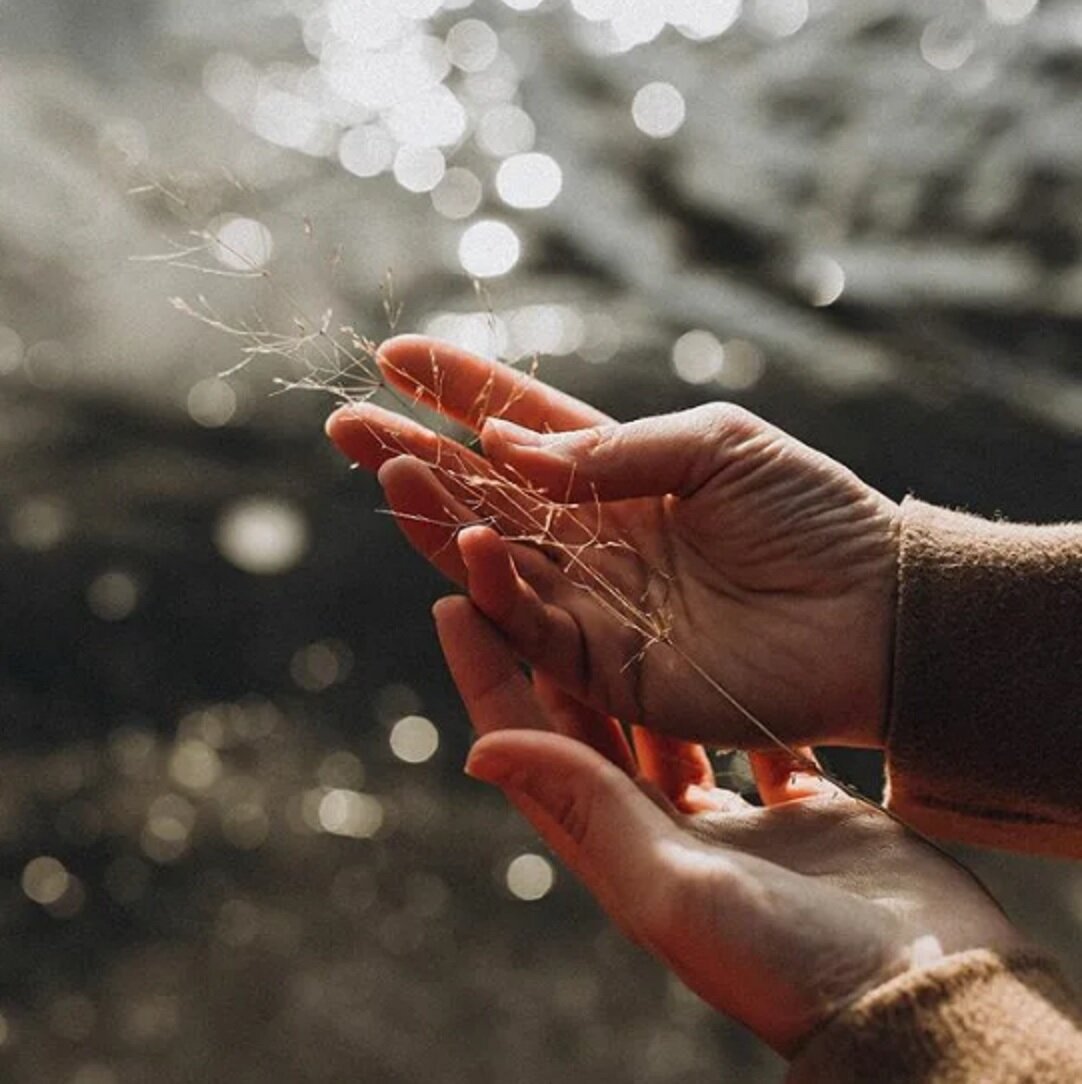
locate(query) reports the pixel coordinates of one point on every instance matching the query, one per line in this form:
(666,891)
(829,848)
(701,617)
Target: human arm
(651,558)
(787,584)
(985,731)
(816,923)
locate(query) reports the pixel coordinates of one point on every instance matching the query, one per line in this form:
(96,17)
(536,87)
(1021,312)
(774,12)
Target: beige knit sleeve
(985,732)
(974,1018)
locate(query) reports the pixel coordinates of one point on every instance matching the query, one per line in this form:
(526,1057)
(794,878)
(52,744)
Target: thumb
(670,453)
(617,840)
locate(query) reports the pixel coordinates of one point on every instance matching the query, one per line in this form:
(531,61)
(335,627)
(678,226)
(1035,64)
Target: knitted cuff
(974,1018)
(985,735)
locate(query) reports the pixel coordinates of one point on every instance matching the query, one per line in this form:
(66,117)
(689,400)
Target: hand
(701,543)
(778,916)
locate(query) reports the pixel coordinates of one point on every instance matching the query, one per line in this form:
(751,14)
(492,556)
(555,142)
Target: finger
(487,673)
(680,769)
(621,843)
(545,635)
(572,717)
(781,777)
(370,435)
(426,513)
(671,453)
(472,389)
(496,692)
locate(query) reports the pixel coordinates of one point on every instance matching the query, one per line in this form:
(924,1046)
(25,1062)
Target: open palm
(779,916)
(683,548)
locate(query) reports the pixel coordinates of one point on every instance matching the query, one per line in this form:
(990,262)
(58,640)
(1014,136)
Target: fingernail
(514,434)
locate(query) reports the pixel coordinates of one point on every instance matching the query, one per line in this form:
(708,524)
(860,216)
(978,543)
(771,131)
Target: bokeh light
(262,535)
(414,739)
(530,877)
(320,665)
(528,181)
(195,765)
(45,880)
(489,248)
(658,110)
(39,523)
(744,365)
(341,768)
(458,194)
(1010,12)
(478,332)
(780,18)
(504,130)
(545,330)
(601,338)
(166,835)
(212,403)
(419,169)
(947,43)
(821,279)
(596,10)
(698,357)
(113,595)
(366,150)
(701,20)
(472,45)
(433,119)
(242,244)
(345,812)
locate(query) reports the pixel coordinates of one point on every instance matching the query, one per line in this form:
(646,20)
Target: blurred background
(235,838)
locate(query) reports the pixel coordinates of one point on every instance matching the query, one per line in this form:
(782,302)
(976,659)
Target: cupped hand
(778,916)
(669,556)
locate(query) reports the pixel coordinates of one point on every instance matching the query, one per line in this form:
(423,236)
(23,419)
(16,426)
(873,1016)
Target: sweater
(984,745)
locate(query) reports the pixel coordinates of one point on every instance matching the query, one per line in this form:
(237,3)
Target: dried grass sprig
(343,364)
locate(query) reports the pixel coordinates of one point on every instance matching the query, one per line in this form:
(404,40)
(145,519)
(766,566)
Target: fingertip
(484,764)
(333,425)
(445,609)
(399,467)
(478,541)
(457,620)
(407,358)
(350,431)
(398,347)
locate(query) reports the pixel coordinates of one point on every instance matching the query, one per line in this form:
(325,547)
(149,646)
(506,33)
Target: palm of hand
(787,914)
(772,568)
(777,556)
(779,916)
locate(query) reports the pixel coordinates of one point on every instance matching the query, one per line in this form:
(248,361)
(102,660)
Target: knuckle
(597,443)
(726,421)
